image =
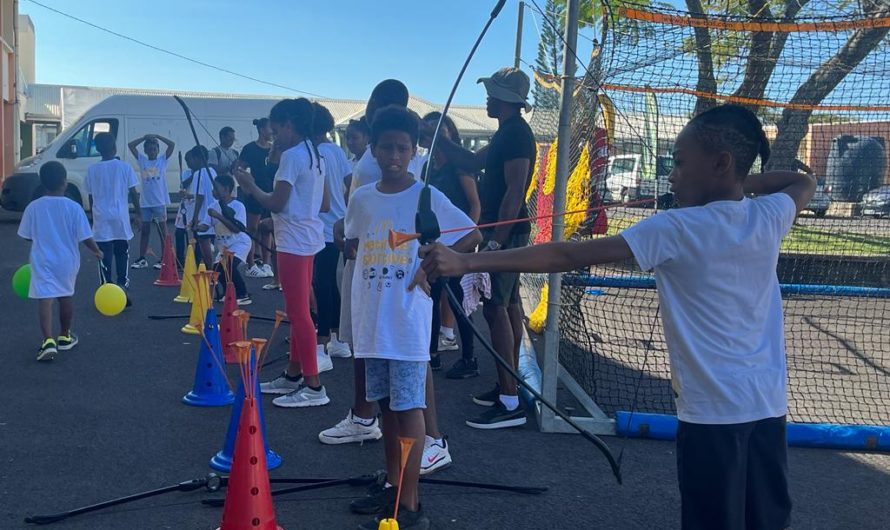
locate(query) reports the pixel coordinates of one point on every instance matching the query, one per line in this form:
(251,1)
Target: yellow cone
(188,281)
(200,301)
(388,524)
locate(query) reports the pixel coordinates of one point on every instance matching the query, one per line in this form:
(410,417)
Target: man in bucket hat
(508,161)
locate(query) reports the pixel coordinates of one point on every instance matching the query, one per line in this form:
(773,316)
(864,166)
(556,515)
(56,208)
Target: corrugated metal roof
(43,102)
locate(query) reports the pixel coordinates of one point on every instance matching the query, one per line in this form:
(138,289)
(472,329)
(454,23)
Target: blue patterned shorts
(402,382)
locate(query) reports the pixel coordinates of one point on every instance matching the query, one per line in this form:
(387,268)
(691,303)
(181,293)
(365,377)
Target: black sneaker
(488,399)
(47,350)
(435,362)
(407,520)
(498,417)
(463,369)
(379,499)
(129,301)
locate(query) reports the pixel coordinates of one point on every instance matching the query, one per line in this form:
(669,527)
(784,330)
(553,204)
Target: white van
(129,117)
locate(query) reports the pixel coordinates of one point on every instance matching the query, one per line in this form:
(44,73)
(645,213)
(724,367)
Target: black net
(820,84)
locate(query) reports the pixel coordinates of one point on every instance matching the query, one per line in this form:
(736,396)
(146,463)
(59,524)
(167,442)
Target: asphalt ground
(105,420)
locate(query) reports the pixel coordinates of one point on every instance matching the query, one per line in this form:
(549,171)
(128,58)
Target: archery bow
(427,226)
(205,166)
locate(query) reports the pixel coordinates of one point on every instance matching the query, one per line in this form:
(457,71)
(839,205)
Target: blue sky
(336,48)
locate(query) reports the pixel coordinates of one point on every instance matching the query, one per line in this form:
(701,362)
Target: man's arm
(468,243)
(799,186)
(90,243)
(439,260)
(515,174)
(170,145)
(471,191)
(224,220)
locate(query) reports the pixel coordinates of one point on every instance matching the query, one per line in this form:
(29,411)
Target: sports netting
(818,77)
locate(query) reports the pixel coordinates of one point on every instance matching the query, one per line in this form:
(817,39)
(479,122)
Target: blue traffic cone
(222,461)
(210,388)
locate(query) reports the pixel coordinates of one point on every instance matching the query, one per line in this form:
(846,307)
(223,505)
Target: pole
(563,154)
(517,56)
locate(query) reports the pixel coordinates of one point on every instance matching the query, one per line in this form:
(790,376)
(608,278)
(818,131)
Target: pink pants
(295,275)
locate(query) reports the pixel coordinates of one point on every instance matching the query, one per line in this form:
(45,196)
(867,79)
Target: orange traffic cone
(248,503)
(169,275)
(230,325)
(188,282)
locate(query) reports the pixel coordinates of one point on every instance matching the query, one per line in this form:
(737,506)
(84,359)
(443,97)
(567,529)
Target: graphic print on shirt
(383,267)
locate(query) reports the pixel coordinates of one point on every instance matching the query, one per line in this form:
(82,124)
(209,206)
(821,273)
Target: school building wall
(9,122)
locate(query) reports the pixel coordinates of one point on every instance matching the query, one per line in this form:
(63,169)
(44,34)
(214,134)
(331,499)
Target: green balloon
(21,281)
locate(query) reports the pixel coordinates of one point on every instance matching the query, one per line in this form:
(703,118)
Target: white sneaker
(447,344)
(267,271)
(350,431)
(243,301)
(435,456)
(303,397)
(140,263)
(324,360)
(157,266)
(280,385)
(254,272)
(339,349)
(272,286)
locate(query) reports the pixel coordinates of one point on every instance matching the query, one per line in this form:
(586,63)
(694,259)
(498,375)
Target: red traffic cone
(169,275)
(249,497)
(230,326)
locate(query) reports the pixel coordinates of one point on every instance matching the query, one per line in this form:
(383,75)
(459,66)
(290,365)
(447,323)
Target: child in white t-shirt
(391,306)
(229,222)
(154,197)
(295,201)
(715,264)
(196,198)
(55,225)
(109,184)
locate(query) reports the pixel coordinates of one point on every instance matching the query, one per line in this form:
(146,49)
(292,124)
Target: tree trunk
(792,127)
(706,80)
(766,48)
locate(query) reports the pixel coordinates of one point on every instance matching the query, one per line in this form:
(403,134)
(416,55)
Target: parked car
(626,183)
(876,202)
(821,200)
(128,117)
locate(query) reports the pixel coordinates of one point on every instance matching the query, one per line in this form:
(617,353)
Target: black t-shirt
(447,180)
(513,139)
(257,159)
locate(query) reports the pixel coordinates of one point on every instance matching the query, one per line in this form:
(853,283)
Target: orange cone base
(190,329)
(167,283)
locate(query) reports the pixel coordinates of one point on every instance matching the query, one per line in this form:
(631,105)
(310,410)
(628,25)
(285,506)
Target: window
(623,165)
(82,143)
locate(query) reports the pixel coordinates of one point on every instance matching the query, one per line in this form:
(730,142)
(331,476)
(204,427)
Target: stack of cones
(201,301)
(188,272)
(169,275)
(211,387)
(230,327)
(249,497)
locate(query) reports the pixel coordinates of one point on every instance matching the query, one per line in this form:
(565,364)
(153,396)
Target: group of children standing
(730,385)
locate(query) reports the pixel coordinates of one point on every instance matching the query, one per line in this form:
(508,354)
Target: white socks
(446,332)
(510,402)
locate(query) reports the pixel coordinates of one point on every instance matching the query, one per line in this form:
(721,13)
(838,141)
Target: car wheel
(819,213)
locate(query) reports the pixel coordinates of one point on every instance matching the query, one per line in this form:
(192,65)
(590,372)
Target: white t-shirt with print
(202,184)
(109,182)
(153,174)
(56,226)
(298,227)
(336,166)
(388,321)
(367,170)
(238,243)
(715,269)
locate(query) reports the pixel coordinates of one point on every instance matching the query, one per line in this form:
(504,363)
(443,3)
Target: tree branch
(706,80)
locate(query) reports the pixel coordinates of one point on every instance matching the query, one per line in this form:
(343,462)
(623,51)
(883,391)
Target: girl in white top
(295,202)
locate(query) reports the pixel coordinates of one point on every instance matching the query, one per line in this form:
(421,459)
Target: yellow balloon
(110,299)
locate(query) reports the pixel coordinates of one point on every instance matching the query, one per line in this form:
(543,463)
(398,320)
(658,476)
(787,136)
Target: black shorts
(734,477)
(253,206)
(505,285)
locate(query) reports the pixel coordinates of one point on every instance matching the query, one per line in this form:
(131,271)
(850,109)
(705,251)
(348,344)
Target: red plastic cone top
(169,275)
(249,497)
(601,223)
(230,326)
